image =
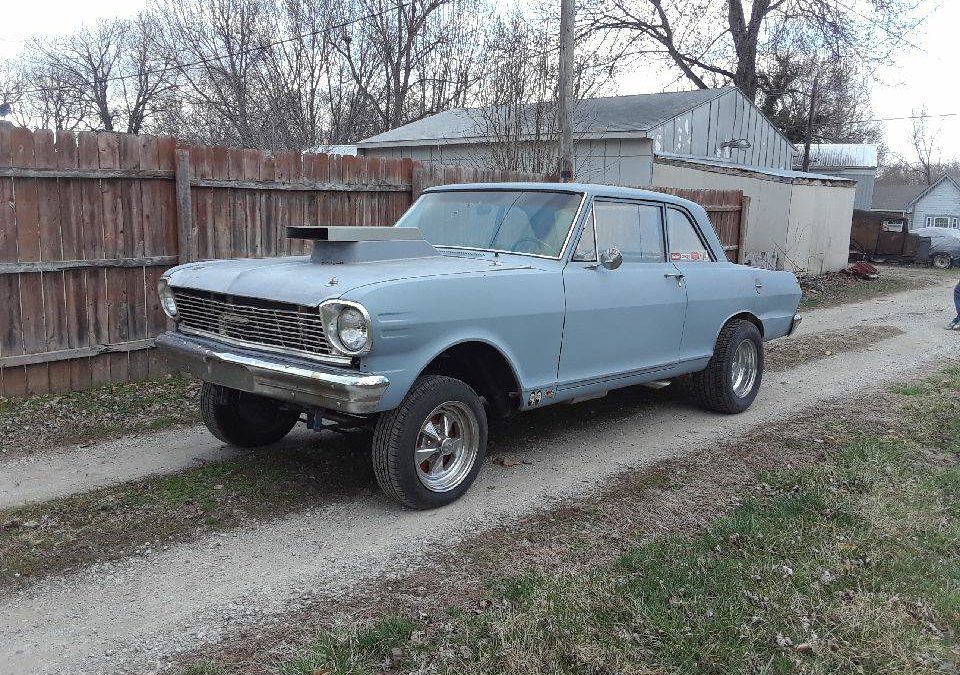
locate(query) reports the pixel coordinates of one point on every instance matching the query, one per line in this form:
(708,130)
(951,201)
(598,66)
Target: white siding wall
(789,226)
(701,131)
(615,161)
(942,200)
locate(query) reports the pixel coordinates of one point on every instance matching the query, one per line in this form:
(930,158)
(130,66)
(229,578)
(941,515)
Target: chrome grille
(263,323)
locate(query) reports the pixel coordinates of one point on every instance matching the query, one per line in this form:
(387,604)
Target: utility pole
(565,90)
(808,137)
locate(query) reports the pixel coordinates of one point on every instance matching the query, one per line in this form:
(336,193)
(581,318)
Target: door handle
(675,275)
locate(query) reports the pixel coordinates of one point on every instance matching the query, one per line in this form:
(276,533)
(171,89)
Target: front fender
(517,312)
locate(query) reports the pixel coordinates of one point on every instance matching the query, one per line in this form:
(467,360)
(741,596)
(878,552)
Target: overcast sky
(926,75)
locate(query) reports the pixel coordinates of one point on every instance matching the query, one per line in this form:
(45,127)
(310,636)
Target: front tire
(731,380)
(428,450)
(243,419)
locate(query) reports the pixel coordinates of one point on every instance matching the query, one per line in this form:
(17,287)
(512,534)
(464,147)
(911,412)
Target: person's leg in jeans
(956,301)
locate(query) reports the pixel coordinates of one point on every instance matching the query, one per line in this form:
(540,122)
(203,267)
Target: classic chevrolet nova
(484,300)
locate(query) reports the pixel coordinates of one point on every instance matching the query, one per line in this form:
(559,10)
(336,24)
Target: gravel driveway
(135,613)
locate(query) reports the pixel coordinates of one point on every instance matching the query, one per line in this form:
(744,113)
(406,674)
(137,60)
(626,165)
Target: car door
(622,320)
(716,289)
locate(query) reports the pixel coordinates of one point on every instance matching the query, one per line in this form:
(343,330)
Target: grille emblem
(228,319)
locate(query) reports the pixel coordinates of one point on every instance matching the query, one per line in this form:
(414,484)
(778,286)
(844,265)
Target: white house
(935,206)
(615,138)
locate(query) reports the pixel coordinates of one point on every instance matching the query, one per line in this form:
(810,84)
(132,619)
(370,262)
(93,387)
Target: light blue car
(484,300)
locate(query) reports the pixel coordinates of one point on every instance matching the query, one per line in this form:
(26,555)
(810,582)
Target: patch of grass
(204,668)
(847,564)
(145,516)
(48,421)
(518,588)
(910,389)
(358,650)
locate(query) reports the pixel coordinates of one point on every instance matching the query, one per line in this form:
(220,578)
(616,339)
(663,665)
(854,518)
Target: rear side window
(685,242)
(634,229)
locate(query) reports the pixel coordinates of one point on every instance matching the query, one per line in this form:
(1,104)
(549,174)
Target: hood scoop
(337,245)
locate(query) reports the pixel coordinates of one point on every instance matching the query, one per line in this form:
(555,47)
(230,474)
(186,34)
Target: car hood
(299,280)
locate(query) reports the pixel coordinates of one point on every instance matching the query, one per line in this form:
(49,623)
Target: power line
(905,117)
(225,55)
(899,37)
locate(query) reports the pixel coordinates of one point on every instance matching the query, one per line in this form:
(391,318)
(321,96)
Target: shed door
(625,320)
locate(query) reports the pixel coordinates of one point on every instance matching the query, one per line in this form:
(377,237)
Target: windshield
(514,221)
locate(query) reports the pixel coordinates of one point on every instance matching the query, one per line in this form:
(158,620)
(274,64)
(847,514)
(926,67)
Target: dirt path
(138,611)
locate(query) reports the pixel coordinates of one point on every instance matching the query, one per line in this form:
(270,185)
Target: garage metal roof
(609,116)
(718,165)
(841,156)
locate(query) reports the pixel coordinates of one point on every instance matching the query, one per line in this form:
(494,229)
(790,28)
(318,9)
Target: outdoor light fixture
(736,144)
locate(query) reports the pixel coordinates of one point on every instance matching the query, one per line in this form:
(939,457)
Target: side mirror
(611,258)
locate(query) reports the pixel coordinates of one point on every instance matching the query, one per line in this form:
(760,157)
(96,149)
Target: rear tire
(428,450)
(243,419)
(731,380)
(942,261)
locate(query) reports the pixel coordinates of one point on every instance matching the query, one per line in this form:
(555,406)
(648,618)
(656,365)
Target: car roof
(590,189)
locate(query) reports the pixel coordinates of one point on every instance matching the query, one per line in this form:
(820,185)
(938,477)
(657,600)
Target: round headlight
(167,301)
(353,329)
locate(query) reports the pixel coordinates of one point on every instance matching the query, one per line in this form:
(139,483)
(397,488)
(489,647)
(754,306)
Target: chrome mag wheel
(743,372)
(447,446)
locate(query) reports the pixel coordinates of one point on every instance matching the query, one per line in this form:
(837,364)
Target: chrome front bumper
(291,379)
(794,323)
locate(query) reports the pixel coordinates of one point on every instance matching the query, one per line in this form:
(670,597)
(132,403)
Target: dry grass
(837,288)
(785,354)
(53,420)
(148,515)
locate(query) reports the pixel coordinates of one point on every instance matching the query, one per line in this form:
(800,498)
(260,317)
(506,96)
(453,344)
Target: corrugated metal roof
(350,150)
(785,174)
(840,156)
(894,197)
(608,115)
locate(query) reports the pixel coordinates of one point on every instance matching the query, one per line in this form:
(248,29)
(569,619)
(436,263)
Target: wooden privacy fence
(727,210)
(89,222)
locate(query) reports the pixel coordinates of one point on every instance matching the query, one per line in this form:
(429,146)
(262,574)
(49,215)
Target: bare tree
(520,113)
(217,46)
(924,141)
(843,109)
(712,42)
(411,59)
(104,77)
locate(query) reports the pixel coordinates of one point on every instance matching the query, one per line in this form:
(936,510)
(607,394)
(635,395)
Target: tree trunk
(745,36)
